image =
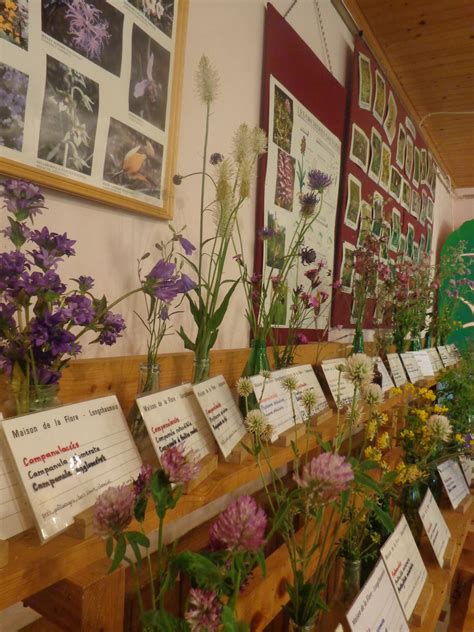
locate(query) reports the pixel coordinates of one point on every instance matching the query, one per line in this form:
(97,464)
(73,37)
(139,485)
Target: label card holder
(306,380)
(342,390)
(454,482)
(396,369)
(65,457)
(387,382)
(411,367)
(275,403)
(435,526)
(435,359)
(424,363)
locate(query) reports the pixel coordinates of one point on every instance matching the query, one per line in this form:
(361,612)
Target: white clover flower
(266,374)
(359,369)
(440,427)
(373,394)
(258,426)
(308,399)
(289,383)
(207,80)
(244,387)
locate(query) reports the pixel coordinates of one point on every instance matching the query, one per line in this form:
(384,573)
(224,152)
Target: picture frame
(390,121)
(384,180)
(375,155)
(380,97)
(126,106)
(365,83)
(359,152)
(354,189)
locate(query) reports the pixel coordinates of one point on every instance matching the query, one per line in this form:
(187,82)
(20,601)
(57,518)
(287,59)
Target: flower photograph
(285,182)
(132,160)
(92,28)
(148,92)
(14,22)
(13,89)
(69,118)
(282,120)
(275,243)
(159,12)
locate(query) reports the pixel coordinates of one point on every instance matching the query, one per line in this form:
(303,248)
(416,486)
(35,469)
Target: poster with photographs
(388,181)
(89,91)
(298,144)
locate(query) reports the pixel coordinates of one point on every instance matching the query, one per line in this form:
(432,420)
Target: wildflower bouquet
(236,539)
(230,182)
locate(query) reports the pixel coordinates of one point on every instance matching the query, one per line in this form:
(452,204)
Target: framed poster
(92,92)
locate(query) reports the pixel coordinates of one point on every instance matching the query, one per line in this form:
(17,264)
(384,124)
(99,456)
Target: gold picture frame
(17,169)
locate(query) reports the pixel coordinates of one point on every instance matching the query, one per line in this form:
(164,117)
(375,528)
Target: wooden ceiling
(427,48)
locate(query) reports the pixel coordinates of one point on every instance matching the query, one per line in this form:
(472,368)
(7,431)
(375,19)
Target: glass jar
(350,579)
(200,369)
(409,503)
(358,341)
(148,382)
(25,399)
(294,627)
(256,363)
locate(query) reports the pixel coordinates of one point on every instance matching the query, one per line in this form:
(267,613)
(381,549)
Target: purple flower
(142,482)
(216,158)
(308,255)
(45,260)
(266,233)
(325,477)
(87,28)
(113,510)
(47,331)
(164,313)
(301,339)
(318,180)
(178,467)
(23,199)
(204,611)
(7,311)
(12,264)
(162,281)
(186,284)
(18,233)
(56,244)
(308,203)
(186,245)
(112,326)
(80,309)
(86,283)
(39,282)
(240,527)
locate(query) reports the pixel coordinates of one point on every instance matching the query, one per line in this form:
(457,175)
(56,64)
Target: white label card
(66,456)
(444,354)
(275,403)
(341,388)
(453,481)
(435,526)
(221,411)
(466,465)
(387,382)
(173,417)
(15,515)
(396,368)
(411,366)
(377,608)
(306,380)
(405,566)
(424,363)
(435,359)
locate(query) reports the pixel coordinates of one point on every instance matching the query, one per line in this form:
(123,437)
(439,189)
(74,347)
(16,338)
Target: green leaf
(137,553)
(365,481)
(220,312)
(140,508)
(199,568)
(109,546)
(197,313)
(369,465)
(384,518)
(229,622)
(16,235)
(162,622)
(138,537)
(188,344)
(119,554)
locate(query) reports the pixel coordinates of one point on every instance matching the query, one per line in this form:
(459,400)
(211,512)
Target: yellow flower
(439,410)
(409,388)
(373,454)
(371,429)
(421,414)
(375,537)
(407,473)
(459,438)
(407,434)
(396,390)
(383,442)
(429,395)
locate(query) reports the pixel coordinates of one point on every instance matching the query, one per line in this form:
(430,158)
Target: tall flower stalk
(230,182)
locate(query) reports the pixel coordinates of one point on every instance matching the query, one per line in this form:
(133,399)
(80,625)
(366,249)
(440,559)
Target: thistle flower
(440,427)
(308,399)
(318,180)
(308,256)
(373,395)
(204,611)
(206,80)
(178,467)
(325,477)
(308,203)
(240,527)
(113,510)
(359,369)
(289,383)
(258,426)
(244,387)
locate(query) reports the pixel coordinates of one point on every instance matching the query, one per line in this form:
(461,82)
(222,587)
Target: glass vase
(409,503)
(399,341)
(358,341)
(256,363)
(24,398)
(435,484)
(415,342)
(294,627)
(200,369)
(148,382)
(351,575)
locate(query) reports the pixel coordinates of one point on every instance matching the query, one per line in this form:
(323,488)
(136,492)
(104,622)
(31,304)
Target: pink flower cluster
(240,527)
(179,467)
(204,611)
(325,477)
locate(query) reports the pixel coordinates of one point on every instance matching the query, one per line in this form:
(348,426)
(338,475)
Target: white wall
(463,206)
(230,32)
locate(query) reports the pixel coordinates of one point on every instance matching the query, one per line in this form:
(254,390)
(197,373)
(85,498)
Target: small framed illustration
(390,122)
(376,155)
(396,231)
(359,147)
(365,83)
(400,158)
(351,218)
(408,156)
(377,214)
(416,167)
(384,180)
(405,198)
(97,89)
(380,97)
(395,187)
(347,267)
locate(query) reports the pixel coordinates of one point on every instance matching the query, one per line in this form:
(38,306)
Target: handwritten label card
(342,390)
(306,380)
(387,382)
(15,515)
(435,359)
(454,353)
(466,466)
(221,411)
(411,367)
(173,417)
(275,403)
(377,608)
(435,526)
(396,368)
(424,363)
(444,354)
(405,566)
(453,481)
(66,456)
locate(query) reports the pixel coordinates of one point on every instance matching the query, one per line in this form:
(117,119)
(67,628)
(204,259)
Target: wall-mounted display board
(388,180)
(90,94)
(305,128)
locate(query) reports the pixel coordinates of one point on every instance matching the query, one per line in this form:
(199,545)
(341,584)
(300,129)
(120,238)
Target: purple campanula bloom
(164,313)
(23,199)
(86,283)
(45,260)
(37,282)
(80,309)
(47,331)
(56,244)
(186,284)
(186,245)
(7,311)
(113,325)
(318,180)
